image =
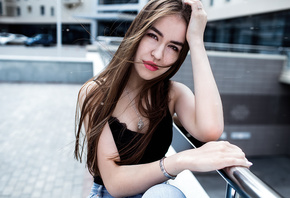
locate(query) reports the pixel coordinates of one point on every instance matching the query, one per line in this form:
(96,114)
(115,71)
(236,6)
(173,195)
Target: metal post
(230,192)
(58,26)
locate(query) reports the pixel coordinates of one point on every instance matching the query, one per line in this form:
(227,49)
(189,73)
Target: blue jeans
(158,191)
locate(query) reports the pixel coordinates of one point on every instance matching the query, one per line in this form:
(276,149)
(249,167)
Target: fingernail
(249,163)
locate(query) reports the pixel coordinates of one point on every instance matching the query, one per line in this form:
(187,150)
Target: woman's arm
(124,180)
(201,114)
(127,180)
(85,89)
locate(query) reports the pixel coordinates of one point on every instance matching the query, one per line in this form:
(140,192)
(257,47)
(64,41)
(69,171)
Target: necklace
(140,122)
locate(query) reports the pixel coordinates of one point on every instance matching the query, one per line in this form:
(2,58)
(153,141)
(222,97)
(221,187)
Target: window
(18,11)
(29,9)
(42,10)
(270,29)
(1,9)
(10,11)
(52,11)
(107,28)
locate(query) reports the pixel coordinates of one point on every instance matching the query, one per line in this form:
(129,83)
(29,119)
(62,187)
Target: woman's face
(160,46)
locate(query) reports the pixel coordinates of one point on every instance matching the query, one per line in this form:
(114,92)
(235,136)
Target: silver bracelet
(165,173)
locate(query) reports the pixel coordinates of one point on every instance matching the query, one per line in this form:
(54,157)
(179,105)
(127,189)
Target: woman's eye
(152,36)
(174,48)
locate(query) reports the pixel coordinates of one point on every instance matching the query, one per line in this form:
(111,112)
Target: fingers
(198,21)
(195,4)
(236,156)
(226,154)
(214,155)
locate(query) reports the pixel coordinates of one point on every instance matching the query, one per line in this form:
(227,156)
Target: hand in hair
(197,22)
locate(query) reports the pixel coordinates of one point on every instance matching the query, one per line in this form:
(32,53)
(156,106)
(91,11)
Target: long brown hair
(101,100)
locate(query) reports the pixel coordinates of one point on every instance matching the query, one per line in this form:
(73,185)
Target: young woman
(127,109)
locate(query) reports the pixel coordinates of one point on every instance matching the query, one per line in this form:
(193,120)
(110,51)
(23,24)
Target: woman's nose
(157,52)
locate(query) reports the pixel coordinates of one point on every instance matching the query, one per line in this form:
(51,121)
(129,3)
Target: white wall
(223,9)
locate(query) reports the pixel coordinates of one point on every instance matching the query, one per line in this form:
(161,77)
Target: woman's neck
(135,82)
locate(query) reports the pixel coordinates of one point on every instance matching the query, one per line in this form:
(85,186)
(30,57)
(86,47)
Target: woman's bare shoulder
(88,86)
(176,91)
(85,90)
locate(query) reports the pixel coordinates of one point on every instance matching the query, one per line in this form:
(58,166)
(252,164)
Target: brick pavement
(37,141)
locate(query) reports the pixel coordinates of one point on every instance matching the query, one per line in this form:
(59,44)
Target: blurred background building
(248,22)
(254,22)
(31,17)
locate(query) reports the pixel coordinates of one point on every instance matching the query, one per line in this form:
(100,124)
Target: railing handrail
(250,183)
(246,47)
(241,179)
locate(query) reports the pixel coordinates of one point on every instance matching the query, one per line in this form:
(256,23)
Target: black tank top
(157,147)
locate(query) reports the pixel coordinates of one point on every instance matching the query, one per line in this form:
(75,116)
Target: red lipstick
(150,65)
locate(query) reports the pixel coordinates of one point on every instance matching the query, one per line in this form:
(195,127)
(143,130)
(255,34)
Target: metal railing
(246,184)
(244,48)
(241,182)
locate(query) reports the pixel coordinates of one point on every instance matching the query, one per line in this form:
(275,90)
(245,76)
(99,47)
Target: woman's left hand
(197,22)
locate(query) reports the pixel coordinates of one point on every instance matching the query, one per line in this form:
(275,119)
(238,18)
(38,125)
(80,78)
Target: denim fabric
(163,191)
(158,191)
(99,191)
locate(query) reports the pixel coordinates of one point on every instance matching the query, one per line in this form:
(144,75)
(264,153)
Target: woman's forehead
(172,26)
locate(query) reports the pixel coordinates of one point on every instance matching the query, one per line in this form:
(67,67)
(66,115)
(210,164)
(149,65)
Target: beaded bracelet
(165,173)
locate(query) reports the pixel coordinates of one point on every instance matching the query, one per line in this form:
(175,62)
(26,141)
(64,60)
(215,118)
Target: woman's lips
(150,65)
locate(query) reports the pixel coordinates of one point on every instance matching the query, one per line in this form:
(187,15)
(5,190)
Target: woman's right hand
(211,156)
(197,22)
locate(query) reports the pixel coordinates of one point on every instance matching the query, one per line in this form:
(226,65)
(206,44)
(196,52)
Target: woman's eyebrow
(157,31)
(160,34)
(177,43)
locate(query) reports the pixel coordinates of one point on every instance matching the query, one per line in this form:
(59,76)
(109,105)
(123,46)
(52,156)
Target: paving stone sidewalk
(37,142)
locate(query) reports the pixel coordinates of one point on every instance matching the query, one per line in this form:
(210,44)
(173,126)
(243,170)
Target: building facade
(112,17)
(255,22)
(30,17)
